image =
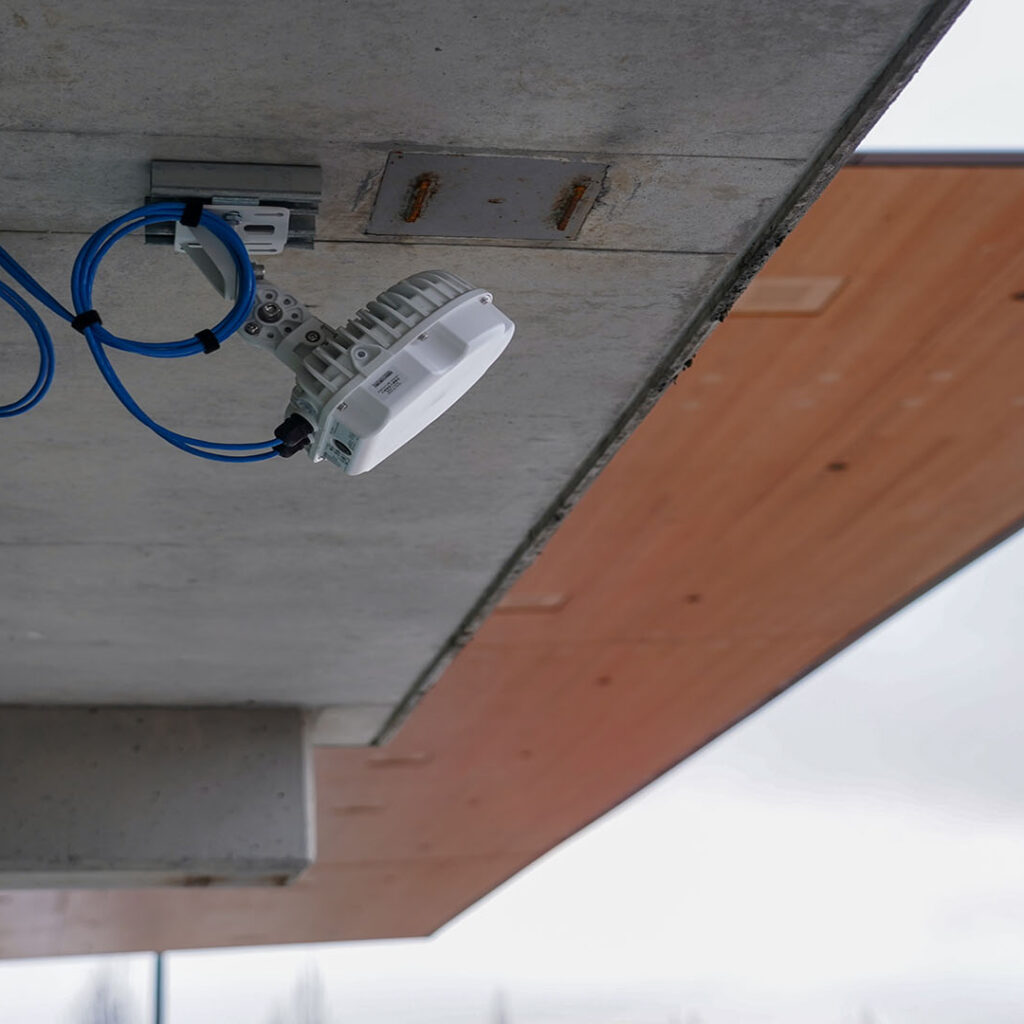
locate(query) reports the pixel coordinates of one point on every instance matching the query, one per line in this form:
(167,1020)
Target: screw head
(232,217)
(270,312)
(251,328)
(312,335)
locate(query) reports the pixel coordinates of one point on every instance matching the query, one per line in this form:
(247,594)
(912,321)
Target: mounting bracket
(245,190)
(263,230)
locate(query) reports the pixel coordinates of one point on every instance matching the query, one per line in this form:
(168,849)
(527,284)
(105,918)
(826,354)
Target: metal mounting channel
(296,187)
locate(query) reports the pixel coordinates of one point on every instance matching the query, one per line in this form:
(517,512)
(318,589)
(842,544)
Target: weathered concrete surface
(144,576)
(128,797)
(136,574)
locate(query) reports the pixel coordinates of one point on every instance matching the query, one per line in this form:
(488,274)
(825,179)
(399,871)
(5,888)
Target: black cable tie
(86,319)
(208,340)
(192,213)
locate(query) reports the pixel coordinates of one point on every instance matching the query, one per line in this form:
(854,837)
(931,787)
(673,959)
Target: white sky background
(857,846)
(967,94)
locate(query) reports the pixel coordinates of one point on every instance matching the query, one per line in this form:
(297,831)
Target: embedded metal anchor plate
(240,188)
(457,196)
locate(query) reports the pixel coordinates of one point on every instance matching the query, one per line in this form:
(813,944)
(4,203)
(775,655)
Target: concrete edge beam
(129,797)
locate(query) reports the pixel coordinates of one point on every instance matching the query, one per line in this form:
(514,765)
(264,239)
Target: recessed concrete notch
(130,797)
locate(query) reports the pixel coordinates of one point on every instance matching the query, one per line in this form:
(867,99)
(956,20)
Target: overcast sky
(853,852)
(967,95)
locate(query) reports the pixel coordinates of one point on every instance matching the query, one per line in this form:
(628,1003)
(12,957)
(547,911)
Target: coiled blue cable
(83,277)
(44,378)
(97,336)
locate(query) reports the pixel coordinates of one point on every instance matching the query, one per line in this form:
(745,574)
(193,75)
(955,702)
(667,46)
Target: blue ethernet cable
(98,337)
(44,378)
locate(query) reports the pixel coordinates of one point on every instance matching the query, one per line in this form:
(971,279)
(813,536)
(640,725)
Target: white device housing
(369,387)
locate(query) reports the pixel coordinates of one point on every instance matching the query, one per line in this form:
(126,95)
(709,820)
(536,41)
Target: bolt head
(312,335)
(251,328)
(269,312)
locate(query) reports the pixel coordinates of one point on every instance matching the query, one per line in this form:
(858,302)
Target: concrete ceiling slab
(139,575)
(716,77)
(146,577)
